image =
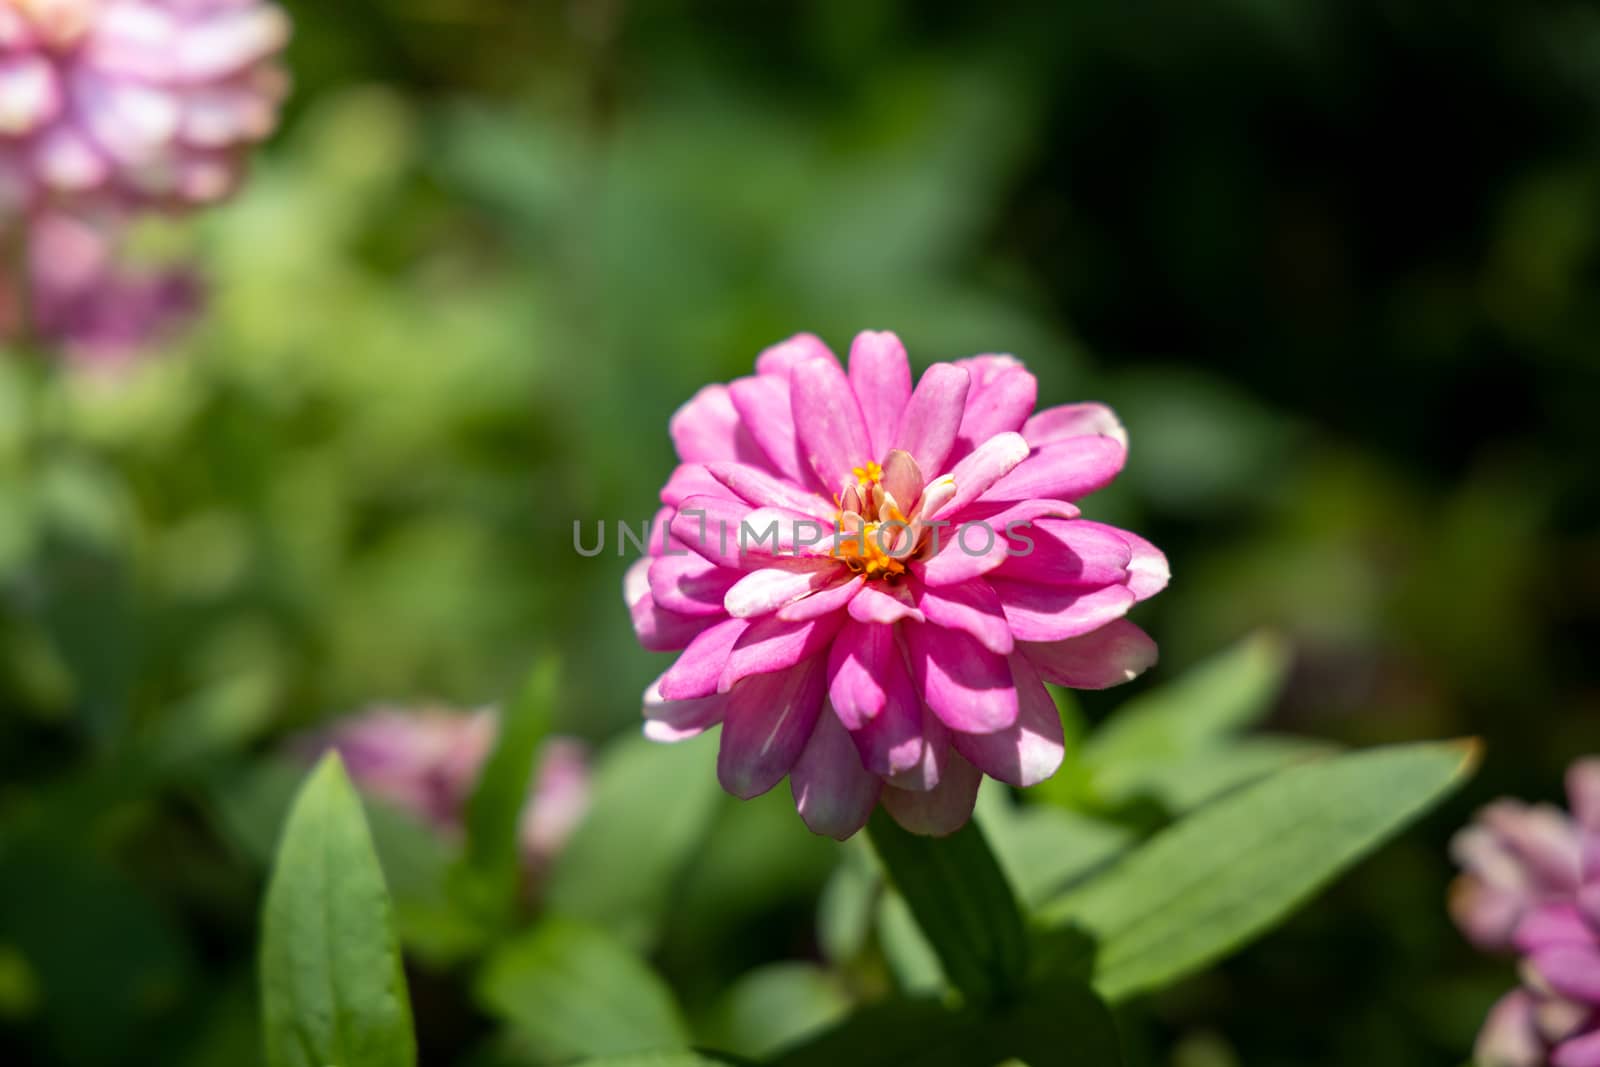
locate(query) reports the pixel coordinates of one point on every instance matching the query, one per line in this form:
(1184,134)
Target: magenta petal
(1071,552)
(700,666)
(965,684)
(880,375)
(1117,652)
(689,584)
(835,597)
(1054,613)
(1148,572)
(773,644)
(942,810)
(761,489)
(768,416)
(764,591)
(1000,400)
(977,472)
(1074,420)
(859,666)
(691,479)
(875,604)
(1031,749)
(933,415)
(676,720)
(769,719)
(1553,924)
(970,606)
(982,540)
(708,427)
(923,764)
(658,629)
(1570,970)
(781,358)
(1583,793)
(1065,470)
(709,527)
(1580,1051)
(832,791)
(828,422)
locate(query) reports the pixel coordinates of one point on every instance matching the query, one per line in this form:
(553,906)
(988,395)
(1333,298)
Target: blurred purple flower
(426,763)
(81,299)
(134,102)
(927,574)
(1531,885)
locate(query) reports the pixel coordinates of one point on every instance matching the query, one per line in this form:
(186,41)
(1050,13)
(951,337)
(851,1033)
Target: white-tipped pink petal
(979,470)
(1074,420)
(699,668)
(678,720)
(1031,749)
(1068,469)
(970,606)
(873,604)
(1051,613)
(1115,653)
(773,644)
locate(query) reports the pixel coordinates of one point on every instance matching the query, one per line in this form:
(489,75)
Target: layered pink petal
(761,489)
(832,790)
(880,375)
(1074,420)
(779,359)
(831,598)
(762,592)
(1117,652)
(1580,1051)
(689,584)
(767,413)
(970,606)
(658,629)
(699,669)
(933,416)
(1570,970)
(690,480)
(1000,400)
(708,427)
(982,468)
(773,644)
(828,421)
(939,811)
(1066,470)
(874,604)
(1054,613)
(965,684)
(768,721)
(676,720)
(1031,749)
(1070,552)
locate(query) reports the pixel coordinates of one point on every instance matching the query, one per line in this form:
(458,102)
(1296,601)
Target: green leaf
(1186,783)
(1209,883)
(660,1059)
(962,902)
(490,865)
(650,807)
(1042,848)
(1212,700)
(774,1006)
(574,990)
(333,988)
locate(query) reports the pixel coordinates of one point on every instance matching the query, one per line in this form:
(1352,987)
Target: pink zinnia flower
(1531,884)
(898,658)
(133,101)
(80,298)
(427,762)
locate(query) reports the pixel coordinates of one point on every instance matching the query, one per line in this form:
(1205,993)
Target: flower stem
(963,903)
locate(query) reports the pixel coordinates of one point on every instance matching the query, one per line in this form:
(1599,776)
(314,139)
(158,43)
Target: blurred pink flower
(898,655)
(133,102)
(81,300)
(426,763)
(1531,884)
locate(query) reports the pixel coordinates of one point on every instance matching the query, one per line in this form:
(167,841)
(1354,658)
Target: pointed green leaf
(962,902)
(333,989)
(574,990)
(1206,885)
(487,878)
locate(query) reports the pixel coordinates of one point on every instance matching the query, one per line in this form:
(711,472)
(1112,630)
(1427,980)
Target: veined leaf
(333,989)
(1211,882)
(1226,693)
(574,990)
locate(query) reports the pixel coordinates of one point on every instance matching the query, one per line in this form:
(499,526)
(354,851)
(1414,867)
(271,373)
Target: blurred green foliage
(1334,262)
